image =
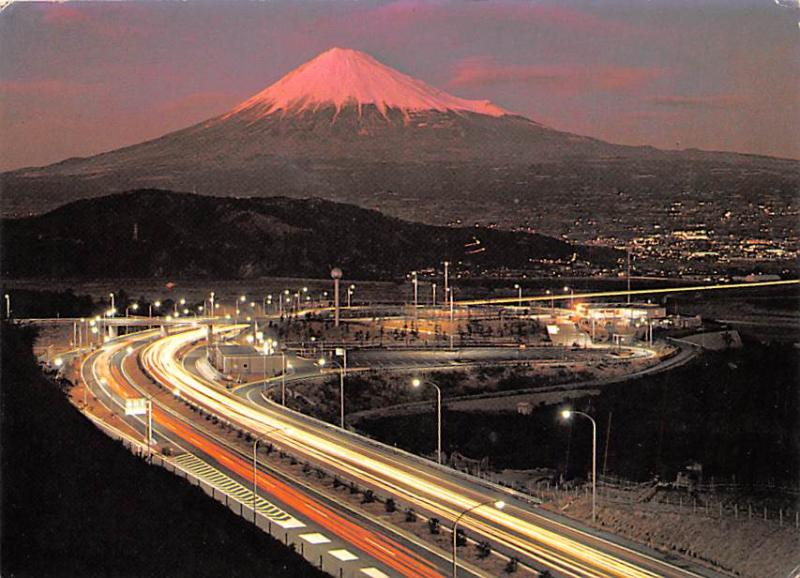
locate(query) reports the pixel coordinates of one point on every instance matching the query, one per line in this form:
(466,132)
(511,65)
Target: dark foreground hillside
(153,233)
(75,503)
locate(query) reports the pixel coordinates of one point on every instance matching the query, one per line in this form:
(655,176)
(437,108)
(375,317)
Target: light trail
(381,548)
(623,293)
(560,547)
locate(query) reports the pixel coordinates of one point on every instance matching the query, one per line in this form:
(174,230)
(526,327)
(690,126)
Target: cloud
(556,78)
(724,101)
(411,12)
(100,19)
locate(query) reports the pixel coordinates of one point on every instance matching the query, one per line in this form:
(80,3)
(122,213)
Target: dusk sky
(81,78)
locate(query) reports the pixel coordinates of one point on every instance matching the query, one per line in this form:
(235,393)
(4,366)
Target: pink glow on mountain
(341,77)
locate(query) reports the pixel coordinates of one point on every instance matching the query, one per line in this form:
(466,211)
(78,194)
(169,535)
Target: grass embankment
(76,503)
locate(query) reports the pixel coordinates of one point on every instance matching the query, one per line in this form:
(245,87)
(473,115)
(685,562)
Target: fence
(656,499)
(282,527)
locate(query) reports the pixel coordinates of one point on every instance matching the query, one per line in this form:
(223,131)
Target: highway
(538,538)
(109,372)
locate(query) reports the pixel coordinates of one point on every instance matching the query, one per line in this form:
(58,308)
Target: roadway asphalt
(113,384)
(538,538)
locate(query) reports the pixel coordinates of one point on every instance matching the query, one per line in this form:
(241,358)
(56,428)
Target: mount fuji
(345,127)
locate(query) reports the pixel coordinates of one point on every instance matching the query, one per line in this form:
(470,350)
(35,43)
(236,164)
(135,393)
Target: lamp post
(519,294)
(450,291)
(499,504)
(567,414)
(157,305)
(433,296)
(552,301)
(8,306)
(111,295)
(350,290)
(415,283)
(283,376)
(571,294)
(135,307)
(446,280)
(416,382)
(341,352)
(336,275)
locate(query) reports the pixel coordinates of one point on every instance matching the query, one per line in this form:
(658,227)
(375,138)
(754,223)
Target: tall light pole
(135,307)
(336,275)
(341,352)
(446,281)
(415,283)
(499,504)
(628,275)
(416,382)
(433,296)
(567,414)
(112,301)
(450,291)
(552,301)
(283,375)
(571,292)
(8,306)
(350,290)
(519,294)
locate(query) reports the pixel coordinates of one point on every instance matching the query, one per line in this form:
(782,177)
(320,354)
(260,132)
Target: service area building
(245,360)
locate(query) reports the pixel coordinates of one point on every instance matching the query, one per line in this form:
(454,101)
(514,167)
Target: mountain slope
(343,77)
(179,234)
(346,127)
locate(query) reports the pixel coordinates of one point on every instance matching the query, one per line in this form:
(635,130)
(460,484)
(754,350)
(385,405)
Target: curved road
(538,538)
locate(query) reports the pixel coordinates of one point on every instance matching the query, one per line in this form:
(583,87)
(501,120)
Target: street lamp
(157,305)
(446,278)
(285,367)
(417,382)
(350,291)
(552,301)
(433,296)
(571,294)
(415,282)
(135,307)
(566,414)
(519,294)
(450,291)
(8,306)
(341,352)
(499,504)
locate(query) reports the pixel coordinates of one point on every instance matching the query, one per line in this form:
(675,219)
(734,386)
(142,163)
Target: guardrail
(288,534)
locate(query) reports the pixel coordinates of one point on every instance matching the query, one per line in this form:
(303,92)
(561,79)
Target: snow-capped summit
(343,77)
